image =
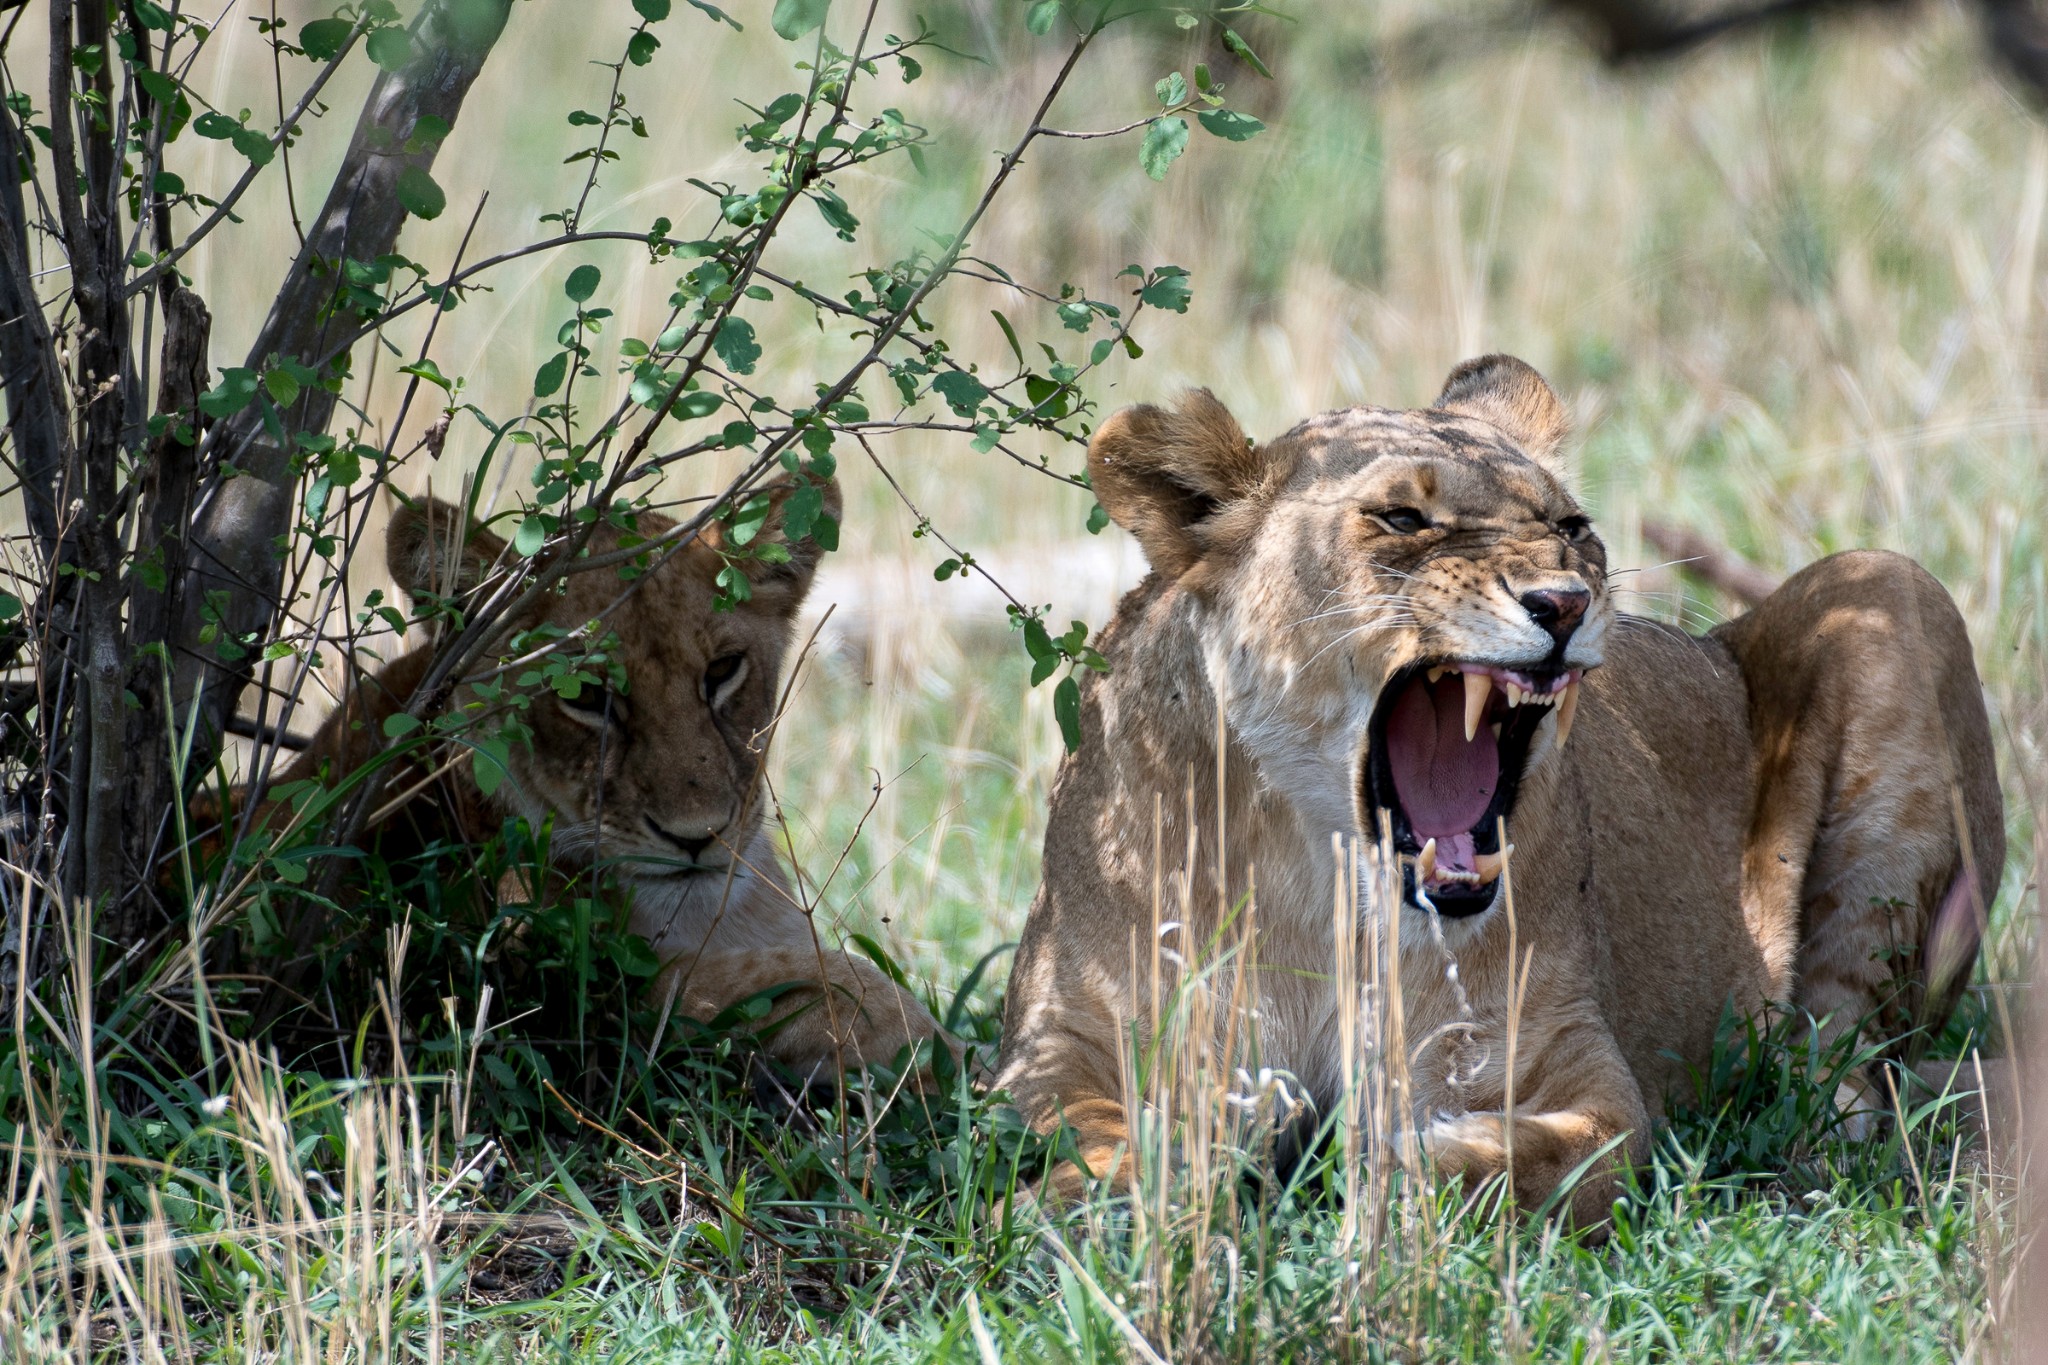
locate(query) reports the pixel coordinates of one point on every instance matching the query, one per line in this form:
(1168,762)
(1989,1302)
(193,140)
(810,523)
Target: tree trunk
(235,565)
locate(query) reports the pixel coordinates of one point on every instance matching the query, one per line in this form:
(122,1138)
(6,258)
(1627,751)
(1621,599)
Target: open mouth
(1445,756)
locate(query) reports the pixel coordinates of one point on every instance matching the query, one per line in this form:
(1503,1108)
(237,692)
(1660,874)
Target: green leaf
(283,388)
(962,391)
(1170,289)
(253,145)
(792,19)
(653,11)
(400,723)
(157,86)
(1164,141)
(10,606)
(531,535)
(1171,90)
(323,37)
(1009,335)
(697,404)
(491,764)
(1097,520)
(236,390)
(215,125)
(418,193)
(582,283)
(825,533)
(427,370)
(736,346)
(1066,709)
(550,375)
(749,517)
(640,48)
(947,568)
(390,48)
(1039,18)
(1231,125)
(801,511)
(428,132)
(1244,51)
(1037,643)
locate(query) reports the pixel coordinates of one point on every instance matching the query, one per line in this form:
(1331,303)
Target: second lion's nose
(692,846)
(1557,610)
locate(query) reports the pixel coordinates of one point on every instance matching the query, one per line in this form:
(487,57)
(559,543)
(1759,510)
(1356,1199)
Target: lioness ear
(1160,474)
(1512,396)
(797,503)
(430,550)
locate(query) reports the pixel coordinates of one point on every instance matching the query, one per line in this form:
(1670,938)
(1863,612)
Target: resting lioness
(658,780)
(1402,616)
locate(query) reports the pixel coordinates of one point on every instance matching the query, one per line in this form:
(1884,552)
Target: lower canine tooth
(1425,863)
(1477,688)
(1567,706)
(1495,727)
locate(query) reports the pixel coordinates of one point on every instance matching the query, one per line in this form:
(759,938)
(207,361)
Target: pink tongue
(1445,784)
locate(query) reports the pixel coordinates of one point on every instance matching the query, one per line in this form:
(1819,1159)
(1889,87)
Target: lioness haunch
(1403,615)
(658,780)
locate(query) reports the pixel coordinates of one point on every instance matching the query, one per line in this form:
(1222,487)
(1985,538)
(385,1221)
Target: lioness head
(656,777)
(1396,607)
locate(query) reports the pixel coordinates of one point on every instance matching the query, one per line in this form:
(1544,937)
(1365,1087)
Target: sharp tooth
(1495,727)
(1477,688)
(1434,674)
(1488,865)
(1425,864)
(1567,704)
(1515,695)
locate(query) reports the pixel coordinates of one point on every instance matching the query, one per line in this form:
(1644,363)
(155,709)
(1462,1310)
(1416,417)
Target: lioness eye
(1575,529)
(723,675)
(1402,521)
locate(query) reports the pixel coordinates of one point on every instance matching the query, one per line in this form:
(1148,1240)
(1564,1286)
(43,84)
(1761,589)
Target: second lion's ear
(430,549)
(1510,394)
(782,587)
(1162,473)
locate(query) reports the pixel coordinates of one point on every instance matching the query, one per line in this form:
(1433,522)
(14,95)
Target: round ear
(431,551)
(802,516)
(1160,474)
(1510,394)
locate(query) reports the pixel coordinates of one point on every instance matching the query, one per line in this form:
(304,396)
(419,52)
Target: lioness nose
(693,848)
(1557,610)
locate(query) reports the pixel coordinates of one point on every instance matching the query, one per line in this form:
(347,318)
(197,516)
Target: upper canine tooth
(1567,705)
(1477,688)
(1487,866)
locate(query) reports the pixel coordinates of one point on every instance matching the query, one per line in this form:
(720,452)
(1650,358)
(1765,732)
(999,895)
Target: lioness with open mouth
(1404,616)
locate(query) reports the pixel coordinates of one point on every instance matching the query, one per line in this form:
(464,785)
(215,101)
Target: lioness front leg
(1579,1101)
(861,1018)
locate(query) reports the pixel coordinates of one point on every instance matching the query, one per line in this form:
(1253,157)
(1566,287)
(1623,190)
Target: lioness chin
(1403,616)
(656,781)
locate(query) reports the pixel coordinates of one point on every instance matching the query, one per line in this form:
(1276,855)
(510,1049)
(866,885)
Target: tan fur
(665,791)
(1834,728)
